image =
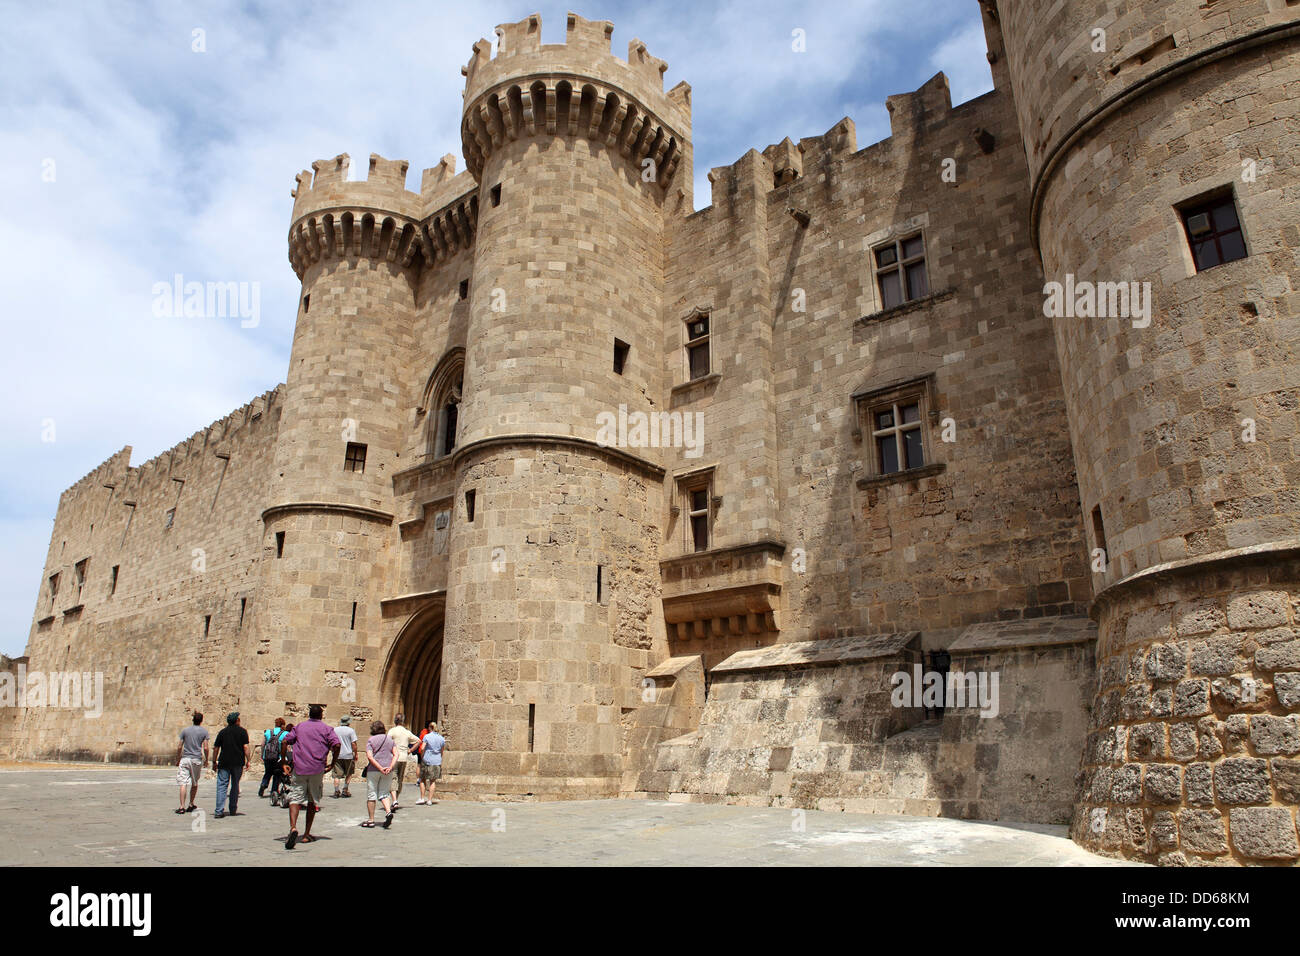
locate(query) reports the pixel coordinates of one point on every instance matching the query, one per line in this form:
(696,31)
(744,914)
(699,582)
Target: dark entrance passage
(412,675)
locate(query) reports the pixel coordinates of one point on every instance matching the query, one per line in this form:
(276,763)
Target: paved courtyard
(96,816)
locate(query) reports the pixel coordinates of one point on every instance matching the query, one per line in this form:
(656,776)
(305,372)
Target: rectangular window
(697,345)
(279,544)
(600,584)
(306,303)
(207,624)
(697,516)
(893,426)
(621,349)
(54,589)
(464,288)
(79,570)
(1213,231)
(532,725)
(896,430)
(243,606)
(355,458)
(1098,529)
(469,506)
(112,580)
(900,271)
(496,195)
(353,625)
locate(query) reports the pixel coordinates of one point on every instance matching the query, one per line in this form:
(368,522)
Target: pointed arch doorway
(412,680)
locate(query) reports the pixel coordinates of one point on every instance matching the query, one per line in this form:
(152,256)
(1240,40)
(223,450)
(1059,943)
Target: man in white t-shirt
(404,743)
(346,762)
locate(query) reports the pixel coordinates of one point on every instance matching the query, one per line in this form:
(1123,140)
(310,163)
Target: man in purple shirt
(312,741)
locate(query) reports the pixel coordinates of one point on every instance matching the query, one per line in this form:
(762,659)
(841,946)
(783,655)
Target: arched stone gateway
(412,675)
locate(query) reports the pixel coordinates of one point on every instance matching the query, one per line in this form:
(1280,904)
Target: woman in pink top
(379,772)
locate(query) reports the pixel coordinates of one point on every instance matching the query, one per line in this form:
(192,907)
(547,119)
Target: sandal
(308,839)
(180,810)
(367,823)
(191,808)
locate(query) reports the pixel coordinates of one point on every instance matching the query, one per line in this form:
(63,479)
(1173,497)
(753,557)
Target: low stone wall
(815,725)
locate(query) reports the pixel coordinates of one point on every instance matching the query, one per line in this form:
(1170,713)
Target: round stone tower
(329,528)
(554,544)
(1152,129)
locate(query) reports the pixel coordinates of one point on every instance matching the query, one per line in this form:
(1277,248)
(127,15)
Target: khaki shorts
(379,786)
(430,771)
(345,766)
(307,788)
(189,771)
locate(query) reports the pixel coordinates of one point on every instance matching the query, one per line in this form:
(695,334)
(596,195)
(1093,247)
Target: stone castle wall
(176,632)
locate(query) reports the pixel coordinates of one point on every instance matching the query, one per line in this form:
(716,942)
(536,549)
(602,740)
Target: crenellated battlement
(334,217)
(118,471)
(578,88)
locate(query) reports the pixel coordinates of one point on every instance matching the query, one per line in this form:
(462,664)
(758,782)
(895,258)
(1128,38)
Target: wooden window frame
(354,455)
(900,266)
(1205,205)
(688,486)
(921,391)
(701,341)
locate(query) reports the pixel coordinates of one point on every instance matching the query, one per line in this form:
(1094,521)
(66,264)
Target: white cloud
(962,57)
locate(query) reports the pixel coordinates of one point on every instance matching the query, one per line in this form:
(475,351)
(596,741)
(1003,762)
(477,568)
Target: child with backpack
(272,758)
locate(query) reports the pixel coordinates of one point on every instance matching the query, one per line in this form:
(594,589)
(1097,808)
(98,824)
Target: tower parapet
(334,217)
(578,88)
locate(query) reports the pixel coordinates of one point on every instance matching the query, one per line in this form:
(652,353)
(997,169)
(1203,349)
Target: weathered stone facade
(431,515)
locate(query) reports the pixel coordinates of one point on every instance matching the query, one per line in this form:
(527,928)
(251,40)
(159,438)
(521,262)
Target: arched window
(442,397)
(445,427)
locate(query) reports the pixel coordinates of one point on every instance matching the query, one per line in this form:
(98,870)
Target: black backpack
(271,749)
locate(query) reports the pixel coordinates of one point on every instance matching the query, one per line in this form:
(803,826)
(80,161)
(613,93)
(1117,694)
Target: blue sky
(166,160)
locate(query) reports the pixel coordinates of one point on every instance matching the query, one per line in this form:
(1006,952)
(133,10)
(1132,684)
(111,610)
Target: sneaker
(219,814)
(262,794)
(420,802)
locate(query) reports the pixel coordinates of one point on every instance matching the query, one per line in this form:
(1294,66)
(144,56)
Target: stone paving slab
(102,816)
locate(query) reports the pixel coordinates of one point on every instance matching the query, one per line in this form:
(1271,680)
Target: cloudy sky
(127,156)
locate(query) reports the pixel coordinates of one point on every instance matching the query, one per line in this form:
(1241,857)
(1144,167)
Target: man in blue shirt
(432,747)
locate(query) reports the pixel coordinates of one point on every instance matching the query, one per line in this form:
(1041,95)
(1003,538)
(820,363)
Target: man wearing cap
(347,759)
(312,741)
(230,760)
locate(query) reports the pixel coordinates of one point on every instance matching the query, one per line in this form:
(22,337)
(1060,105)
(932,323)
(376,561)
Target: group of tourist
(297,758)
